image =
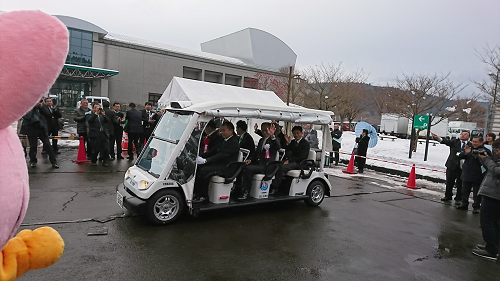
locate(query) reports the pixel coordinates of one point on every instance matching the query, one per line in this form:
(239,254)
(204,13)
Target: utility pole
(289,85)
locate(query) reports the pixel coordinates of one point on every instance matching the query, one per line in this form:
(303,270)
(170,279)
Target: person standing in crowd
(245,139)
(311,136)
(490,206)
(98,134)
(149,120)
(472,174)
(336,142)
(81,125)
(134,129)
(266,152)
(117,133)
(453,165)
(362,149)
(211,138)
(215,161)
(490,138)
(35,127)
(219,121)
(52,114)
(112,121)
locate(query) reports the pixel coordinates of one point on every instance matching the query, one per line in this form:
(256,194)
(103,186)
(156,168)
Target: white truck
(455,128)
(394,125)
(440,129)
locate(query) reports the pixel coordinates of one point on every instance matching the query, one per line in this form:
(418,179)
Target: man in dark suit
(134,129)
(110,115)
(266,152)
(215,161)
(362,142)
(245,139)
(211,138)
(117,133)
(81,125)
(52,115)
(453,167)
(336,142)
(278,134)
(219,121)
(149,121)
(98,134)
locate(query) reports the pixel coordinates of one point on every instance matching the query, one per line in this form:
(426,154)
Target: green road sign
(421,122)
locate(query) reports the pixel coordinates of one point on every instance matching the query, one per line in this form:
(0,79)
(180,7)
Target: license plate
(119,199)
(132,182)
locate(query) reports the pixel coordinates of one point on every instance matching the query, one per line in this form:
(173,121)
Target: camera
(479,151)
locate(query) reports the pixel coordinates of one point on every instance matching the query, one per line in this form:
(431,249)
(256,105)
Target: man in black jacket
(245,139)
(52,115)
(215,161)
(336,142)
(211,138)
(35,126)
(278,133)
(362,142)
(472,174)
(98,134)
(81,125)
(453,167)
(149,121)
(134,129)
(117,133)
(266,152)
(112,121)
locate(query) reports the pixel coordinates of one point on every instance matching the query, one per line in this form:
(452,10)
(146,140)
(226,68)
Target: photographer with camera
(472,174)
(490,207)
(98,134)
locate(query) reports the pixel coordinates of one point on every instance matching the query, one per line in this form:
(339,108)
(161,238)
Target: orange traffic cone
(82,156)
(412,179)
(125,142)
(350,167)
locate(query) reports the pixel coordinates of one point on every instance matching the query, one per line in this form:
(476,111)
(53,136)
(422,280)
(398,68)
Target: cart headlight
(143,185)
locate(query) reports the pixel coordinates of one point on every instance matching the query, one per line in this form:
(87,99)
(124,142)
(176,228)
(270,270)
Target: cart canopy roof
(231,101)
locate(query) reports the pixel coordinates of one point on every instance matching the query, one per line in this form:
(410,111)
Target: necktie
(463,146)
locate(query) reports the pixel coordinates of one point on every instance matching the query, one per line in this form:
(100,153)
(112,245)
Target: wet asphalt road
(362,232)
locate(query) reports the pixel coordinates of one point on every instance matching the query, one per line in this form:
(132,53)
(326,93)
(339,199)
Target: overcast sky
(383,37)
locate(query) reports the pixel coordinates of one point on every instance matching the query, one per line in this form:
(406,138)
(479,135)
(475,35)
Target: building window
(252,83)
(80,47)
(70,92)
(191,73)
(154,98)
(233,80)
(214,77)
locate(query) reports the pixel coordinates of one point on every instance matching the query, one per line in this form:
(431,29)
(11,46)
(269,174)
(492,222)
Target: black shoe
(272,191)
(199,199)
(88,157)
(458,199)
(463,207)
(55,166)
(243,196)
(57,152)
(44,152)
(105,164)
(445,199)
(32,164)
(130,158)
(475,211)
(93,164)
(480,247)
(484,254)
(112,158)
(119,157)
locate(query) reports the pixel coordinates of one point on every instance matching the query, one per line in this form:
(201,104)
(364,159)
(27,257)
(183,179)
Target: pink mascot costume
(33,48)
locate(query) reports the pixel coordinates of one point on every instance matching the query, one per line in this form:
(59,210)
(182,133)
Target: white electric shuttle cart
(160,184)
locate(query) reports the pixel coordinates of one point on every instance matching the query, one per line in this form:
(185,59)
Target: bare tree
(469,110)
(420,94)
(490,56)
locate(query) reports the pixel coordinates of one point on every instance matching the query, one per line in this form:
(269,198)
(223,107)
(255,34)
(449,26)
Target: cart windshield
(162,143)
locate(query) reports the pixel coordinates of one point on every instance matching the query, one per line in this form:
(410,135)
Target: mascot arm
(30,250)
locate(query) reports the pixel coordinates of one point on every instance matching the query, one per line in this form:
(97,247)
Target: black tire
(165,207)
(315,193)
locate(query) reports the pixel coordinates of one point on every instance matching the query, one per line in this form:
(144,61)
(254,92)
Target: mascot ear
(33,50)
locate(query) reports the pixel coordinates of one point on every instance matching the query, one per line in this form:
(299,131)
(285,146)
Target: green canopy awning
(86,72)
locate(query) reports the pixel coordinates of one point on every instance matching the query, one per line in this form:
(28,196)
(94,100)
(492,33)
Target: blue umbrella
(372,133)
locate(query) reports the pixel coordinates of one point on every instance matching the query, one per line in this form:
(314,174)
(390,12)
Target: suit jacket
(453,162)
(145,119)
(471,170)
(134,124)
(299,151)
(362,145)
(52,116)
(81,121)
(336,134)
(34,123)
(260,153)
(278,134)
(247,142)
(110,115)
(219,122)
(96,124)
(215,140)
(225,153)
(118,125)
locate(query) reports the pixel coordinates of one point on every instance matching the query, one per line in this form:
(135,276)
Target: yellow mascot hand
(30,250)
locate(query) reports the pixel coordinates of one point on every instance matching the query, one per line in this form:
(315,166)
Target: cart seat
(307,164)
